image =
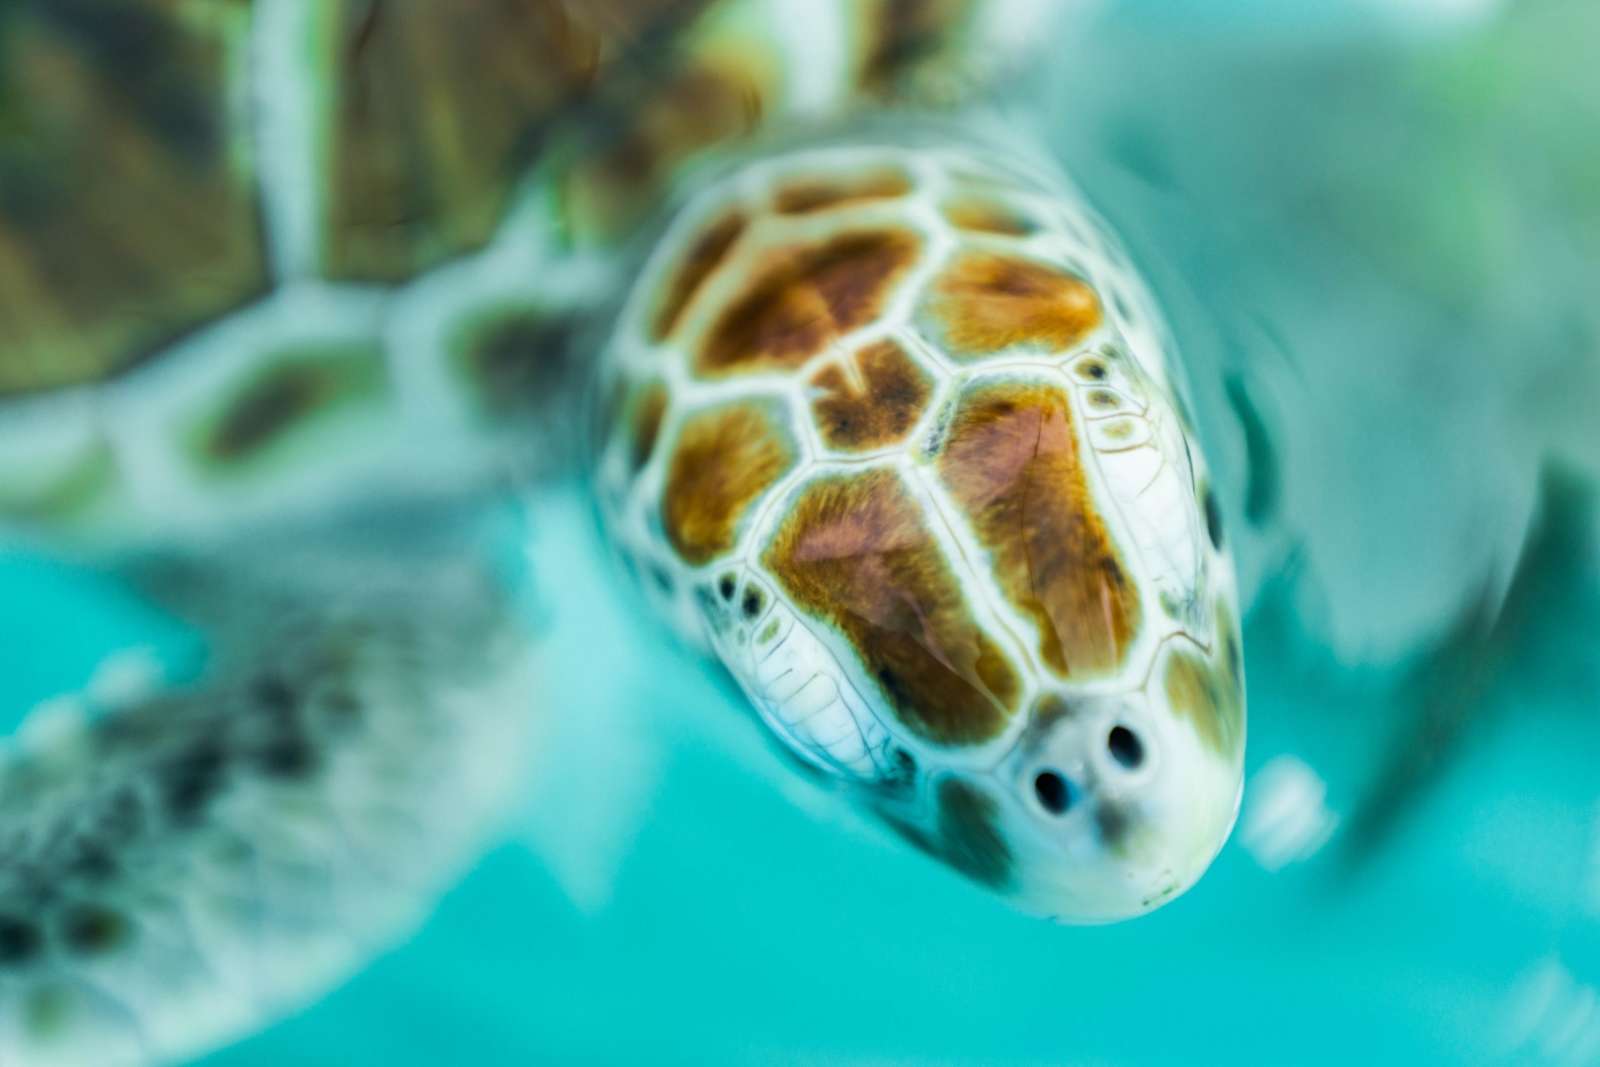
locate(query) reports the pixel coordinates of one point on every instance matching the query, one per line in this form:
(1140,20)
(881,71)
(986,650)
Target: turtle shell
(139,139)
(348,244)
(136,170)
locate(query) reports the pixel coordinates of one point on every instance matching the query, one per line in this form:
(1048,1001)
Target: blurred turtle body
(288,287)
(260,255)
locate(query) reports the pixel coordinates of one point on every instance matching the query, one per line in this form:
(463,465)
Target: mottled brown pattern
(1011,462)
(286,393)
(127,212)
(724,459)
(804,298)
(872,401)
(704,256)
(516,360)
(648,410)
(981,215)
(802,196)
(853,550)
(899,38)
(1210,697)
(985,302)
(617,183)
(267,409)
(439,108)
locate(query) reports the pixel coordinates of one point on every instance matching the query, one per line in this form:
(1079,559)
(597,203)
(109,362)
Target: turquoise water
(745,928)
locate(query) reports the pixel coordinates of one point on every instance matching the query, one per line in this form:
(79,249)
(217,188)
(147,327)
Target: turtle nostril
(1125,747)
(1053,792)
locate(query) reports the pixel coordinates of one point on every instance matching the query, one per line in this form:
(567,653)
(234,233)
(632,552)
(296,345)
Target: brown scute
(287,393)
(1209,699)
(802,196)
(873,402)
(648,410)
(436,111)
(723,461)
(970,836)
(619,180)
(1119,430)
(854,551)
(984,302)
(517,361)
(980,215)
(902,37)
(709,250)
(805,298)
(267,409)
(128,212)
(1011,462)
(1090,370)
(1103,400)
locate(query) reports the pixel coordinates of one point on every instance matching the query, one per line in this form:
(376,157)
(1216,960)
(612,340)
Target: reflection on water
(1379,259)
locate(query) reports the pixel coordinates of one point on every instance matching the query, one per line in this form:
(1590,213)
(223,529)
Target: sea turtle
(290,286)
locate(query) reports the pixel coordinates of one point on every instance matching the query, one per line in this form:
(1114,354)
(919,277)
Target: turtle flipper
(1459,690)
(182,869)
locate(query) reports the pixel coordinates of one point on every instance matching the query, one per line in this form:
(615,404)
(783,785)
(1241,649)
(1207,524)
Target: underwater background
(744,928)
(1415,877)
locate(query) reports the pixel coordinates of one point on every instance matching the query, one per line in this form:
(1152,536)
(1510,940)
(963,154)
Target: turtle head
(897,433)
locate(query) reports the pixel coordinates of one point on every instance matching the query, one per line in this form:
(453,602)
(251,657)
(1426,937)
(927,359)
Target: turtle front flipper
(177,871)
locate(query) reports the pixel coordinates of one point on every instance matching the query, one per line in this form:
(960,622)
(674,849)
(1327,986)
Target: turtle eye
(1054,794)
(1125,747)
